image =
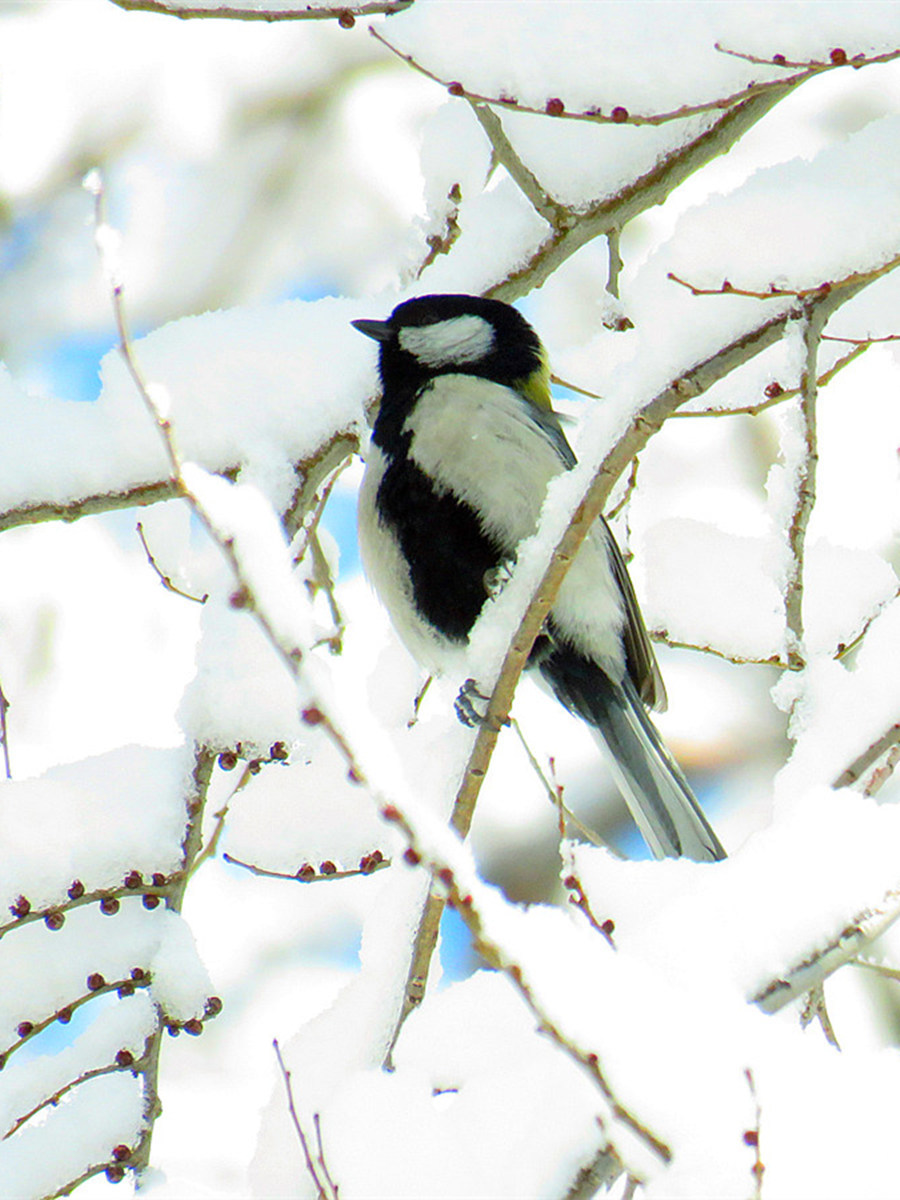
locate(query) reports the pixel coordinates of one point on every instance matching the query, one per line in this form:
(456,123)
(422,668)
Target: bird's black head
(457,334)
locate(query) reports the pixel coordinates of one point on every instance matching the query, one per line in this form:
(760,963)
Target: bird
(463,447)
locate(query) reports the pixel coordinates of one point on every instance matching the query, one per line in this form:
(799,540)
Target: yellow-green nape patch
(536,386)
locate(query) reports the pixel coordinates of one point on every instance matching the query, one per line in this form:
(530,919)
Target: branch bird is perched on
(463,448)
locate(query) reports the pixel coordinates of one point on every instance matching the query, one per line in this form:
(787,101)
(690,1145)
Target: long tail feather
(656,792)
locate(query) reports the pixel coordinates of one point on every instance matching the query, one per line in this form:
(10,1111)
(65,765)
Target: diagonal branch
(555,214)
(646,422)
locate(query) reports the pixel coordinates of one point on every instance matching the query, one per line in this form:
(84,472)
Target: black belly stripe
(443,542)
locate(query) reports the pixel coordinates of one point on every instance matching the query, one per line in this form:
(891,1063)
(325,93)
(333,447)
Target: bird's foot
(471,706)
(467,702)
(496,579)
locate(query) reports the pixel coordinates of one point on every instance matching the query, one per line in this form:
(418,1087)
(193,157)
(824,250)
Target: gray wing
(639,655)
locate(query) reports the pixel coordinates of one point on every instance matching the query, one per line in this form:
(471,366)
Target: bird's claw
(466,704)
(468,707)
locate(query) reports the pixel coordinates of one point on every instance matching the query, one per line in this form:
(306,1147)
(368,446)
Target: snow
(244,165)
(731,599)
(101,818)
(793,244)
(238,382)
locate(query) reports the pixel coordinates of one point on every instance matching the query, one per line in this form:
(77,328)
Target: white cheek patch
(459,340)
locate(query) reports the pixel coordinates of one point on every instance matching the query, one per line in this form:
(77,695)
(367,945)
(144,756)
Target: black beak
(381,331)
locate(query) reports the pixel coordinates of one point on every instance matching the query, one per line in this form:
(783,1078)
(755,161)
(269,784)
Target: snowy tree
(218,775)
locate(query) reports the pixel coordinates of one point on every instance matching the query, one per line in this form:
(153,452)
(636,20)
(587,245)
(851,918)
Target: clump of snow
(181,984)
(99,819)
(778,227)
(123,1026)
(839,709)
(706,586)
(307,811)
(264,386)
(82,1131)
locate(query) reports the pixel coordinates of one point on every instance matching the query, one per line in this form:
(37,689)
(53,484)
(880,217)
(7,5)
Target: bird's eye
(453,342)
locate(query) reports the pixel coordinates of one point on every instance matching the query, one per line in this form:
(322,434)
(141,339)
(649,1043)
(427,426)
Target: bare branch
(578,899)
(163,578)
(345,15)
(862,929)
(751,1138)
(805,495)
(318,1171)
(4,732)
(31,1029)
(842,649)
(553,212)
(775,393)
(132,1065)
(555,792)
(326,873)
(159,887)
(662,636)
(442,243)
(815,1009)
(141,494)
(870,756)
(615,262)
(618,115)
(573,387)
(642,193)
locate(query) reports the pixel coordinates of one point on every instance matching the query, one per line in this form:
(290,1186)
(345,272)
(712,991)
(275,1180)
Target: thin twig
(861,764)
(630,485)
(882,774)
(842,649)
(752,1138)
(844,947)
(4,732)
(775,393)
(815,1009)
(369,864)
(345,15)
(163,578)
(78,898)
(618,115)
(885,972)
(573,387)
(250,770)
(64,1013)
(323,580)
(554,793)
(775,660)
(804,495)
(111,1068)
(552,211)
(442,243)
(615,262)
(578,899)
(311,527)
(327,1190)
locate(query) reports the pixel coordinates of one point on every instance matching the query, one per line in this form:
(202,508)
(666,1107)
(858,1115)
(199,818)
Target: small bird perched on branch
(463,447)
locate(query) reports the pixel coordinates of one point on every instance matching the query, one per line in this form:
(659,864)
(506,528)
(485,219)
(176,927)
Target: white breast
(474,439)
(386,570)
